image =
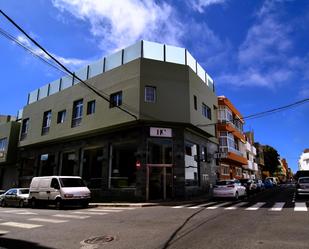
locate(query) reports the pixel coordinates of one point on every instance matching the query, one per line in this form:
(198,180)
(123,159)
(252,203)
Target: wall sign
(160,132)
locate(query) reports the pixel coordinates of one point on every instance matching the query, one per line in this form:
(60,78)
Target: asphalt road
(267,220)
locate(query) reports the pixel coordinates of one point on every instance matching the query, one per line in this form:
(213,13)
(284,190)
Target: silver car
(15,197)
(302,186)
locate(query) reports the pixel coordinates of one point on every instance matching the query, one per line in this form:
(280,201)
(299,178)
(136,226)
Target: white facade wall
(303,163)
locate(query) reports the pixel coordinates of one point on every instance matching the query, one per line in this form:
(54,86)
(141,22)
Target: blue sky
(256,51)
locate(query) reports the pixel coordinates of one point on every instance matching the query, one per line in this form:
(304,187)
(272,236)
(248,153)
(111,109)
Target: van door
(44,188)
(54,189)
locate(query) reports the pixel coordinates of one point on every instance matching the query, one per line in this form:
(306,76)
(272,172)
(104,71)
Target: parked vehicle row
(57,190)
(239,188)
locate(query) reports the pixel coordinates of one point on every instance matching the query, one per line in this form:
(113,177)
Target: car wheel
(58,204)
(236,196)
(21,204)
(33,203)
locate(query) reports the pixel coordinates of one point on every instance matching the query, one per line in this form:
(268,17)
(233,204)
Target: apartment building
(260,159)
(303,162)
(149,136)
(251,170)
(9,132)
(232,157)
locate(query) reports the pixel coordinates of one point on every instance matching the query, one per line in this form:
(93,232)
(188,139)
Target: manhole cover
(98,240)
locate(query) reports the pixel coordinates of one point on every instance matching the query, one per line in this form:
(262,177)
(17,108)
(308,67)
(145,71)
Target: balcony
(232,154)
(253,150)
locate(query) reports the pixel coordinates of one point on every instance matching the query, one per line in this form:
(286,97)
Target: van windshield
(71,182)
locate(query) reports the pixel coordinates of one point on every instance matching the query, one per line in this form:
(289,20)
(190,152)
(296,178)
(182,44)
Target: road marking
(71,216)
(91,213)
(237,205)
(20,225)
(218,205)
(277,207)
(27,213)
(300,206)
(202,205)
(3,232)
(256,206)
(105,210)
(48,220)
(182,206)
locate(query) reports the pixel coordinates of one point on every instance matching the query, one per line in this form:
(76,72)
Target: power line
(63,67)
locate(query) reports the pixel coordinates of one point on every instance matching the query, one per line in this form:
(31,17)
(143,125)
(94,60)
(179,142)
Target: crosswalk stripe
(202,205)
(14,211)
(256,206)
(237,205)
(182,206)
(48,220)
(71,216)
(20,225)
(219,205)
(300,206)
(278,206)
(105,210)
(3,232)
(27,213)
(91,213)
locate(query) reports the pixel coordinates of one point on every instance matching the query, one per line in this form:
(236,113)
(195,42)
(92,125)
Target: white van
(58,190)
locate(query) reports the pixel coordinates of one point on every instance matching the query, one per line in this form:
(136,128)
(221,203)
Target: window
(24,128)
(150,94)
(115,99)
(61,116)
(77,113)
(3,144)
(225,170)
(206,111)
(238,172)
(91,107)
(195,102)
(46,122)
(191,164)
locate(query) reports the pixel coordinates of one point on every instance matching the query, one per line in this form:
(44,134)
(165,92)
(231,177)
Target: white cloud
(118,24)
(70,62)
(200,5)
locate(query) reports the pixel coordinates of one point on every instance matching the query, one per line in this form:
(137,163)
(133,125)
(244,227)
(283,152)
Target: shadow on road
(8,243)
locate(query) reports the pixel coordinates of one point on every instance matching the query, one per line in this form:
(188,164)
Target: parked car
(302,186)
(274,180)
(229,188)
(268,183)
(250,185)
(15,197)
(58,190)
(259,185)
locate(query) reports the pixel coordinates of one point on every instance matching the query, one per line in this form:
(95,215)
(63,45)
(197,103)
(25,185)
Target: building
(151,134)
(260,160)
(9,132)
(251,169)
(232,141)
(303,162)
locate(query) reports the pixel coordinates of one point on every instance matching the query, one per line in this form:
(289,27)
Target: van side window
(54,184)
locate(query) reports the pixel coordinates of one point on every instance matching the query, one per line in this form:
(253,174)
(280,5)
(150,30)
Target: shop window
(47,164)
(61,116)
(160,151)
(91,107)
(150,94)
(24,128)
(3,144)
(77,113)
(115,99)
(27,166)
(191,164)
(92,167)
(46,122)
(123,168)
(68,164)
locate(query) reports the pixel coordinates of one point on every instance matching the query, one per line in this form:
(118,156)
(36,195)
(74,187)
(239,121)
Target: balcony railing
(226,149)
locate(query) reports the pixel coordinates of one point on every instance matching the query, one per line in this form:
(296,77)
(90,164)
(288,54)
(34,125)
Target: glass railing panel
(191,62)
(201,72)
(66,82)
(210,82)
(133,52)
(54,87)
(175,54)
(153,50)
(82,74)
(43,92)
(113,61)
(20,114)
(33,96)
(96,68)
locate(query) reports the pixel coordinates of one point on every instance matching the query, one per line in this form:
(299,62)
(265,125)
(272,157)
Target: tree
(271,159)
